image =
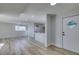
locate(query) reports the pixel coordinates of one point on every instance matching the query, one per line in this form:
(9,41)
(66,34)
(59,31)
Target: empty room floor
(21,46)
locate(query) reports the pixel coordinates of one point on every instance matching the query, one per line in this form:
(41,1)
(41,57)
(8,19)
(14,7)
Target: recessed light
(52,4)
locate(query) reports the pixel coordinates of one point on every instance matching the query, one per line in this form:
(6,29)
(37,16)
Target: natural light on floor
(1,45)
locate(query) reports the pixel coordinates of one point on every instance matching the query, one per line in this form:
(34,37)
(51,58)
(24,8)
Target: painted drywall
(53,30)
(7,18)
(7,30)
(31,34)
(49,30)
(40,37)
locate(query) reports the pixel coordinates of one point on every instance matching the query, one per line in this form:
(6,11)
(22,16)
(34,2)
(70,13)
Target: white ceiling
(12,8)
(58,7)
(17,9)
(38,10)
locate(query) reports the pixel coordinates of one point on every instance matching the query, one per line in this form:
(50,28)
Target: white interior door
(71,33)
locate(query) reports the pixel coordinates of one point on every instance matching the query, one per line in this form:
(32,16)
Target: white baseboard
(50,44)
(53,45)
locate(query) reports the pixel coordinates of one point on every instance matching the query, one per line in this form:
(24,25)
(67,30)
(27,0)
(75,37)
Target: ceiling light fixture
(52,4)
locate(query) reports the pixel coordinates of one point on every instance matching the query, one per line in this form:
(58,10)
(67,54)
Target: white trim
(50,44)
(53,45)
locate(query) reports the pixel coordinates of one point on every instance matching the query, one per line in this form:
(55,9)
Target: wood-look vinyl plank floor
(22,46)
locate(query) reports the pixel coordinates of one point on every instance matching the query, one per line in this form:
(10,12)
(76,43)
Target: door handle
(63,33)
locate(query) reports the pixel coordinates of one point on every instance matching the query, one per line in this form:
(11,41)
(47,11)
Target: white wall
(53,29)
(7,18)
(31,34)
(40,37)
(49,29)
(8,30)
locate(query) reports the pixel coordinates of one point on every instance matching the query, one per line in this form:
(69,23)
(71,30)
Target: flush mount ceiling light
(52,4)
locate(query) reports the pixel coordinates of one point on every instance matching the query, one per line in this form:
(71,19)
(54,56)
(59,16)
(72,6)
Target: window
(20,28)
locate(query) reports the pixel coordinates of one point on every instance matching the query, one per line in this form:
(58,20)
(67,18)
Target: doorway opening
(51,29)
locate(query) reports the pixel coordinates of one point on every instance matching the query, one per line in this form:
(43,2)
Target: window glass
(20,28)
